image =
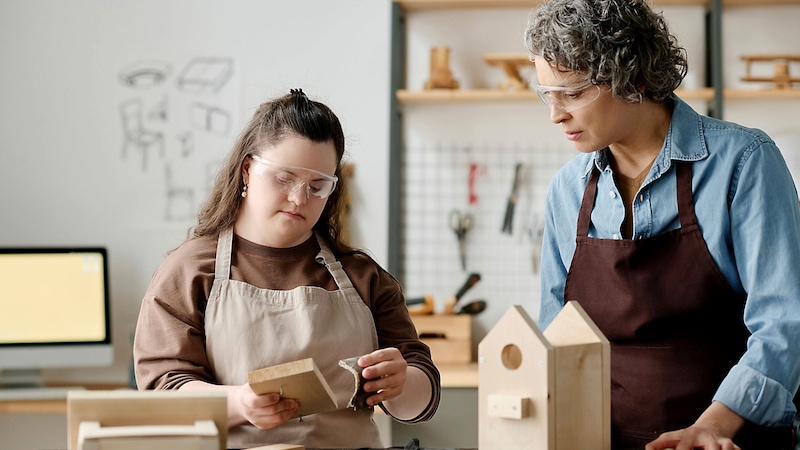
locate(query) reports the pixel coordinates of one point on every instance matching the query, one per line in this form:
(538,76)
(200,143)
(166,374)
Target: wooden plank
(762,94)
(447,96)
(414,5)
(203,435)
(133,408)
(300,380)
(280,447)
(758,3)
(775,57)
(581,419)
(582,390)
(407,97)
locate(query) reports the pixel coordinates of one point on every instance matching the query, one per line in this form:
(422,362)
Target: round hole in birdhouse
(511,357)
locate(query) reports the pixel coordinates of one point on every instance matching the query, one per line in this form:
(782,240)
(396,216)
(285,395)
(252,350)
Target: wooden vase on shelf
(441,76)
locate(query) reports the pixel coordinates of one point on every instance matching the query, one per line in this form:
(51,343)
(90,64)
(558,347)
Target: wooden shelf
(443,96)
(762,94)
(434,96)
(730,3)
(415,5)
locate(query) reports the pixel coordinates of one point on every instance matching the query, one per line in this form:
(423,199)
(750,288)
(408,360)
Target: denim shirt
(747,208)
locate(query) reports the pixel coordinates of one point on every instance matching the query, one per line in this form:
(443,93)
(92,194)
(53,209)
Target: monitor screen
(54,311)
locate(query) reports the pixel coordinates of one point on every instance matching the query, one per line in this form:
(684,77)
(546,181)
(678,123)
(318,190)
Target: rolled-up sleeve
(765,229)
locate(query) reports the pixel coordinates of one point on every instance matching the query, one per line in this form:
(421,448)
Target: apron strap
(325,257)
(587,204)
(685,200)
(222,266)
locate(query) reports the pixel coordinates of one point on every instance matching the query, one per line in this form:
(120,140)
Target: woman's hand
(386,371)
(711,431)
(265,411)
(691,438)
(405,391)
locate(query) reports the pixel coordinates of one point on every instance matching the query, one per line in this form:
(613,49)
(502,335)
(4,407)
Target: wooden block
(581,362)
(452,326)
(122,408)
(508,406)
(449,351)
(203,435)
(449,337)
(300,380)
(280,447)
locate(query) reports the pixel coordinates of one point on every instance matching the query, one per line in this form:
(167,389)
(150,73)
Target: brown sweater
(169,348)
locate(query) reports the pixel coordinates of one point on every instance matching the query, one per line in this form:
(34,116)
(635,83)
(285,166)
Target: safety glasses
(290,179)
(568,98)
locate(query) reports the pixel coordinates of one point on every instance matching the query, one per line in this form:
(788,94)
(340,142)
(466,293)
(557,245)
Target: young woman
(266,279)
(677,233)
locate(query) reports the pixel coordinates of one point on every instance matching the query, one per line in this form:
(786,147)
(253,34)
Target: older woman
(679,234)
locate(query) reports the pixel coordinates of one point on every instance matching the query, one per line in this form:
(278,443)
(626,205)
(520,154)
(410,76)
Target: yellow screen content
(52,298)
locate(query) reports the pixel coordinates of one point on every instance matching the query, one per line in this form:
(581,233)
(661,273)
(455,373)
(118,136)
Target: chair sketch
(180,199)
(135,134)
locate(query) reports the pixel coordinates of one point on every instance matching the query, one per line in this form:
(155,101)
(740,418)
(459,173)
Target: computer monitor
(54,312)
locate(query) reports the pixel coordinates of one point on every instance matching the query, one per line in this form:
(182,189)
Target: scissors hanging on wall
(461,223)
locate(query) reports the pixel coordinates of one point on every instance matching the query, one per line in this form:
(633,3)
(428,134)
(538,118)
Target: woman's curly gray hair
(620,43)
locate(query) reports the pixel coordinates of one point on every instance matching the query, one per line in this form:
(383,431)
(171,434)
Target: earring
(244,191)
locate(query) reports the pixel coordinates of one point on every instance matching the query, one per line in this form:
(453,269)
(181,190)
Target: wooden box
(449,336)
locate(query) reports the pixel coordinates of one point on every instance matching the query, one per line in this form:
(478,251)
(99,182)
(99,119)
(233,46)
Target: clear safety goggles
(290,179)
(568,98)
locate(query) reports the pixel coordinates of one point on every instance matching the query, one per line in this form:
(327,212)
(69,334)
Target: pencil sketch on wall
(145,74)
(205,75)
(180,199)
(210,118)
(135,134)
(177,127)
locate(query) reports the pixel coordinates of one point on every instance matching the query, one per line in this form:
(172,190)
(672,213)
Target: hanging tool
(461,223)
(450,303)
(512,200)
(474,172)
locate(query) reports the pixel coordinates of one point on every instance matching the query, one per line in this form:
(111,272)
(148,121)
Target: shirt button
(641,197)
(612,194)
(615,236)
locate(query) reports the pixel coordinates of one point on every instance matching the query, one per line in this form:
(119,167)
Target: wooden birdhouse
(546,390)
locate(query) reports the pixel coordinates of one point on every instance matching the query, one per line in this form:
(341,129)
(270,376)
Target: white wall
(63,179)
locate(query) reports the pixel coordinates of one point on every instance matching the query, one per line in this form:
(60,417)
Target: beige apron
(248,328)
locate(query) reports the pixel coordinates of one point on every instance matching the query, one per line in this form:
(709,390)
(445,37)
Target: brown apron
(248,328)
(674,323)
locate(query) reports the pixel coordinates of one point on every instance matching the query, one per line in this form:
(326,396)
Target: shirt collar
(685,141)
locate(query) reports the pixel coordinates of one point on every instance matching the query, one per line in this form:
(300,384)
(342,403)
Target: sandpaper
(359,398)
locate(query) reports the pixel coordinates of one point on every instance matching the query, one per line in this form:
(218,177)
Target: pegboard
(476,179)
